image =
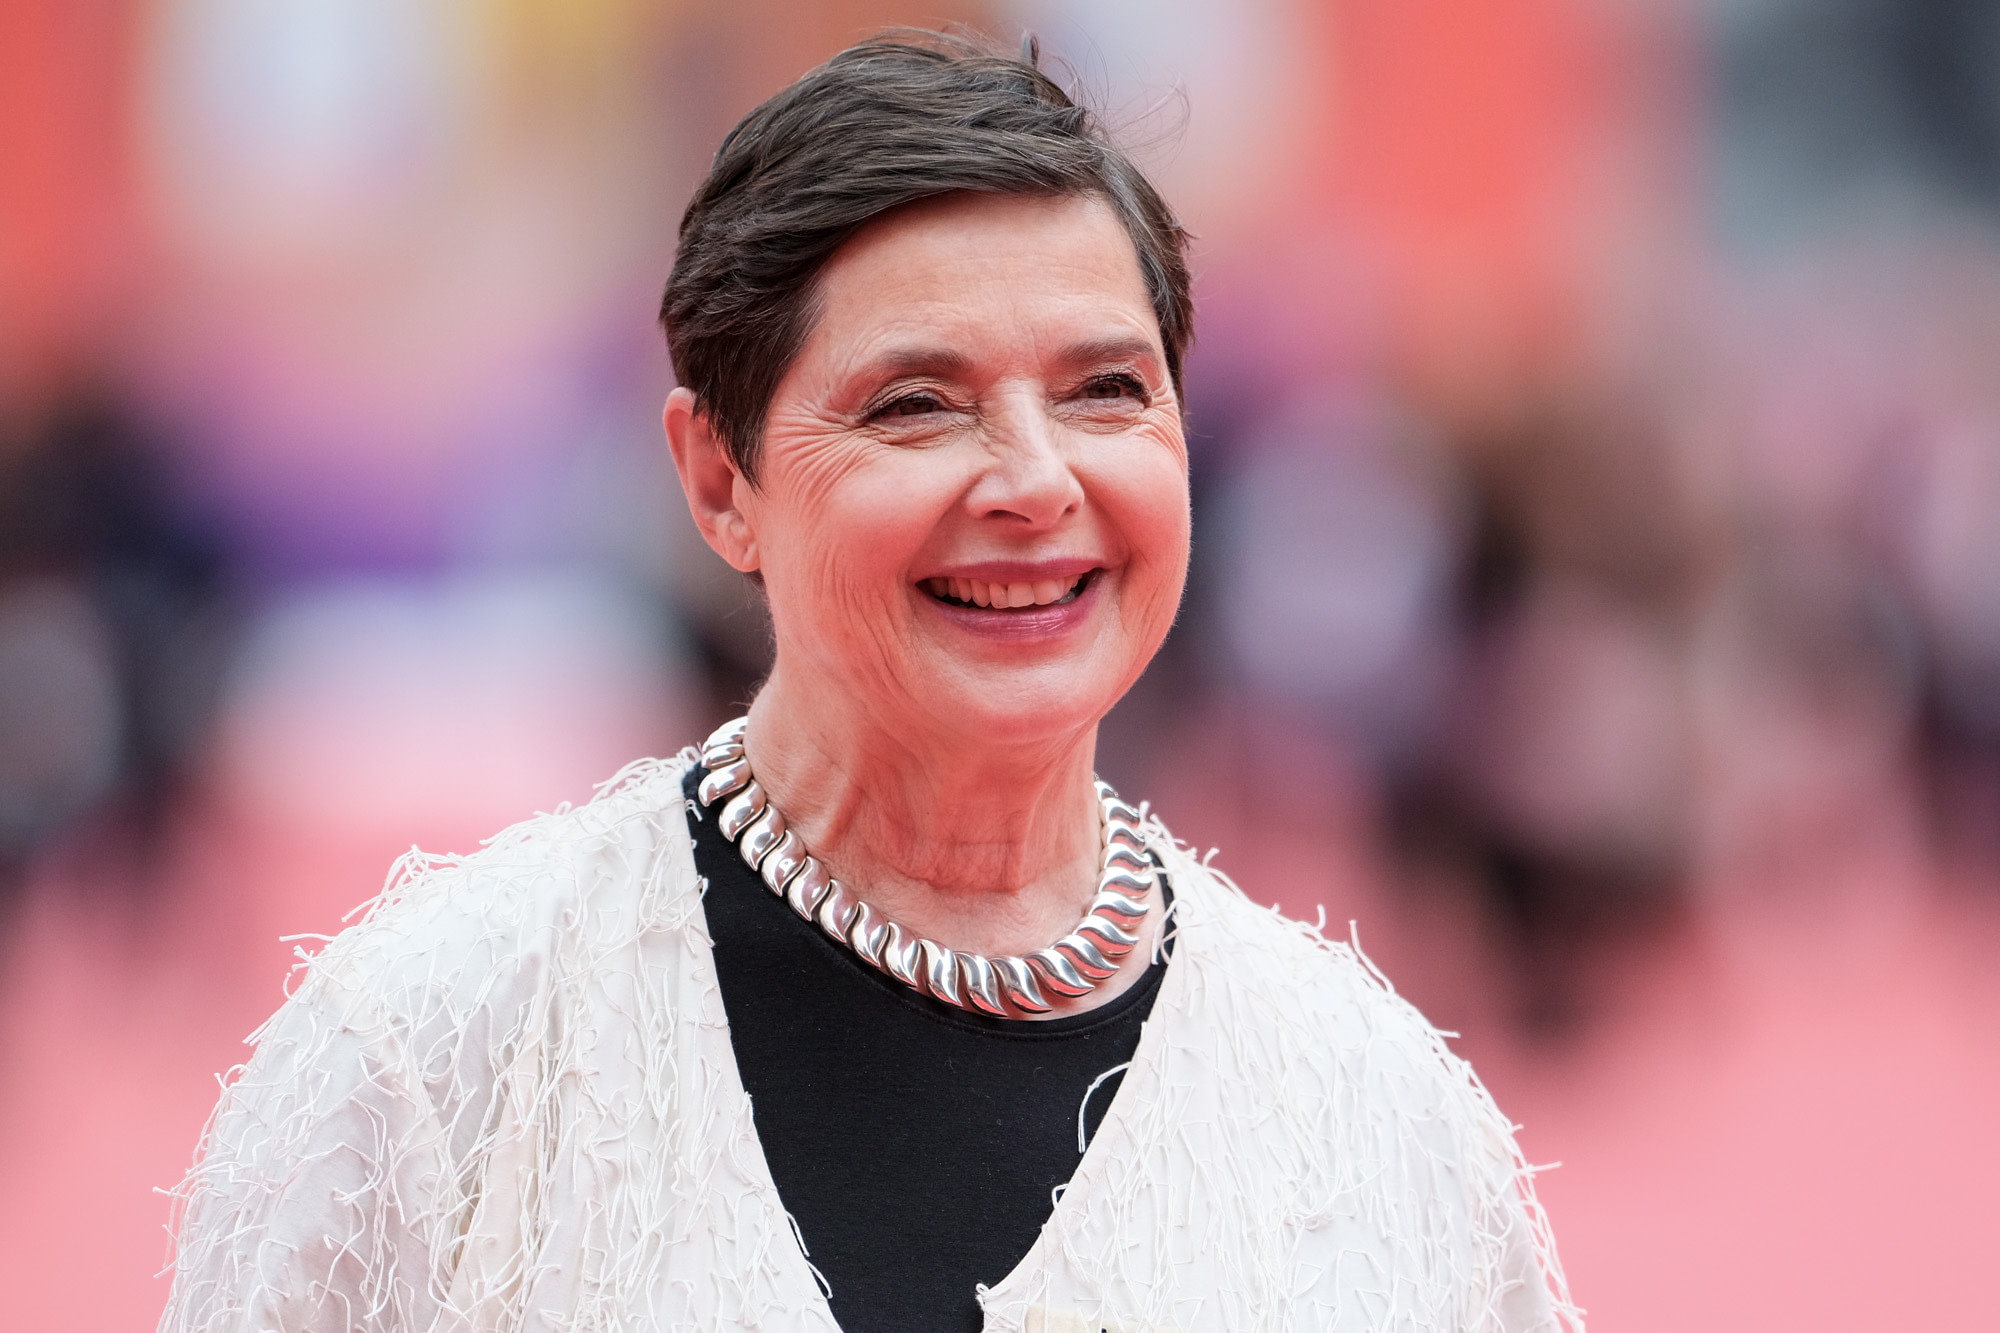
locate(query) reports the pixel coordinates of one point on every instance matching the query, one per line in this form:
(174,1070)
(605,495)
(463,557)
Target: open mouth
(1007,596)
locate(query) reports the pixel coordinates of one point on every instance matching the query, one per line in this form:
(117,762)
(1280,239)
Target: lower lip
(1025,624)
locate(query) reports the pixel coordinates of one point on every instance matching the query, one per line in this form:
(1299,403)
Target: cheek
(1152,498)
(847,533)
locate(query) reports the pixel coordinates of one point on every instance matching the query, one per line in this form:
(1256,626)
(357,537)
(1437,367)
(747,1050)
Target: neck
(983,843)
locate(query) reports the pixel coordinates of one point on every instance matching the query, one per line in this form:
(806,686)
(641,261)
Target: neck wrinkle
(978,845)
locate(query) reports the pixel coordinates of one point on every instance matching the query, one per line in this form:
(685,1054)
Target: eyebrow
(1120,347)
(939,361)
(946,363)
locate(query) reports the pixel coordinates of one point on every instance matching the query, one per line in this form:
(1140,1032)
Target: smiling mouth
(1007,596)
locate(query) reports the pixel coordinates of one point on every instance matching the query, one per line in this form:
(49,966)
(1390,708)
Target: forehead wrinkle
(905,343)
(1110,347)
(920,318)
(915,359)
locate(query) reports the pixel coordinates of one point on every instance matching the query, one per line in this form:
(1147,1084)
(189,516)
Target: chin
(1047,702)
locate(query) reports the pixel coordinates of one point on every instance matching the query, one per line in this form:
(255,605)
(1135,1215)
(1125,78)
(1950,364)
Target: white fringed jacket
(507,1100)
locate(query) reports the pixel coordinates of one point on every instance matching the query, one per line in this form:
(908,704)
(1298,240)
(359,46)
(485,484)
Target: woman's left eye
(1115,386)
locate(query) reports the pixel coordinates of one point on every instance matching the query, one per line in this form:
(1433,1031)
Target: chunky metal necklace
(1073,965)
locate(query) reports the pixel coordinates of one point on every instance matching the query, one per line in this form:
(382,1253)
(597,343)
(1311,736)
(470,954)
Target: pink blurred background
(1597,460)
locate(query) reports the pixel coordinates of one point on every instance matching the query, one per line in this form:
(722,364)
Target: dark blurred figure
(1949,553)
(1561,775)
(114,609)
(1876,124)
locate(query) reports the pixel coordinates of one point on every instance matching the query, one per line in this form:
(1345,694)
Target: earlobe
(709,479)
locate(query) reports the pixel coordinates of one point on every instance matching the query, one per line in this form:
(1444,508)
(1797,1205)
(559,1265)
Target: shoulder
(412,1041)
(1290,970)
(404,1024)
(566,884)
(1350,1084)
(461,954)
(1314,1016)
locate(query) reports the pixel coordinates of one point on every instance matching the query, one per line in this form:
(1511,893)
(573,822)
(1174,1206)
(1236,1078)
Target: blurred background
(1596,422)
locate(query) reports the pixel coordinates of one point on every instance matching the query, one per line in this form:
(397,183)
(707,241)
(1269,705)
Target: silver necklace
(1073,965)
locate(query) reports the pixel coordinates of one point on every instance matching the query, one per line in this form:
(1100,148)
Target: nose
(1028,477)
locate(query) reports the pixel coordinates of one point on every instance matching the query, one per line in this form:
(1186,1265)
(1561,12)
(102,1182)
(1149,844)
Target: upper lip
(1067,568)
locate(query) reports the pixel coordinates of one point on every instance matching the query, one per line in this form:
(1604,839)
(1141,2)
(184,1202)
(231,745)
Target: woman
(871,1010)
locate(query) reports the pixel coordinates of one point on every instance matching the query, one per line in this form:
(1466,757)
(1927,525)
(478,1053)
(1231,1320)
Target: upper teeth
(980,593)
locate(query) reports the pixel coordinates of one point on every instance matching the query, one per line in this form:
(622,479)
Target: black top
(916,1145)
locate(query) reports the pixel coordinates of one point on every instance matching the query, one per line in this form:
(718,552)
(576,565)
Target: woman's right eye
(912,405)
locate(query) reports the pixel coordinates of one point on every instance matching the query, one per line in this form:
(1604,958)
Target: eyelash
(888,409)
(1128,381)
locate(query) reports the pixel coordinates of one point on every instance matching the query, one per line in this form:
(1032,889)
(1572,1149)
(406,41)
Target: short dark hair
(908,115)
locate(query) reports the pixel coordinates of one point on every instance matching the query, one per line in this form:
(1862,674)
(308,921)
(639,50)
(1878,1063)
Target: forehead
(971,263)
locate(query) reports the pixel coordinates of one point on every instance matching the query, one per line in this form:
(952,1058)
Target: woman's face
(972,506)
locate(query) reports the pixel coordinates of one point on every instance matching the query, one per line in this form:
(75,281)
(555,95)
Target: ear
(710,479)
